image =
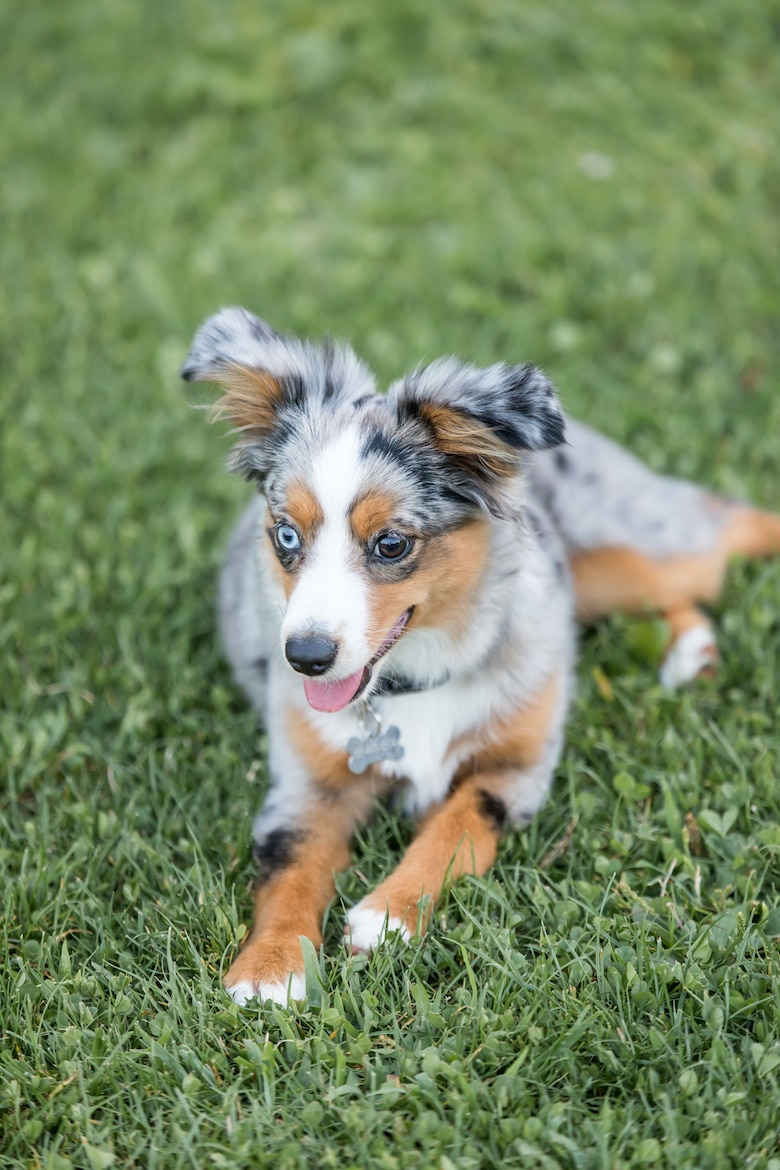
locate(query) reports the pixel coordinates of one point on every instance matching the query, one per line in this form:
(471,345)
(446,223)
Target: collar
(392,684)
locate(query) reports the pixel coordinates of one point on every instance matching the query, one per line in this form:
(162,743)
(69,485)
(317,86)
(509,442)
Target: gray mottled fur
(448,444)
(589,493)
(600,495)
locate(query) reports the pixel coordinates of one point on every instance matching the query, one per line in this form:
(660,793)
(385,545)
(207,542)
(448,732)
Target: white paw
(694,651)
(282,993)
(366,928)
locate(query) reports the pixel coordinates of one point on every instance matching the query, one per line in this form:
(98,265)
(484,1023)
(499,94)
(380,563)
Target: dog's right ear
(241,353)
(266,376)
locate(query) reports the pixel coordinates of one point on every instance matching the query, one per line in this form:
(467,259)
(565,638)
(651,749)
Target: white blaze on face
(331,594)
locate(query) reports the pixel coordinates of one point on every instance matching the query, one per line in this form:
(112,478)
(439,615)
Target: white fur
(293,988)
(692,653)
(367,927)
(331,595)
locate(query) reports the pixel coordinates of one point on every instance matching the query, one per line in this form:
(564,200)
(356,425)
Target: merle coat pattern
(416,560)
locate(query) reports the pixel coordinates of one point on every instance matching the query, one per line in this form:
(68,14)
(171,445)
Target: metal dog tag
(375,746)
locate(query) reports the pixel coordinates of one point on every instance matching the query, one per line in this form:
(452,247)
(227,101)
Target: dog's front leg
(458,837)
(506,783)
(297,864)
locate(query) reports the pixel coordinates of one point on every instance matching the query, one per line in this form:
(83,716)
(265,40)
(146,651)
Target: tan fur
(286,579)
(463,437)
(607,579)
(370,514)
(516,741)
(252,398)
(751,533)
(305,510)
(683,619)
(292,904)
(456,838)
(442,589)
(329,766)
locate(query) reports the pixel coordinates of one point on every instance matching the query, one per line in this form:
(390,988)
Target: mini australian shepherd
(399,603)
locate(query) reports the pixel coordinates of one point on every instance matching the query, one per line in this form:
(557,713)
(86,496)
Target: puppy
(399,604)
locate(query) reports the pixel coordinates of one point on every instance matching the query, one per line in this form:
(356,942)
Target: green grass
(594,188)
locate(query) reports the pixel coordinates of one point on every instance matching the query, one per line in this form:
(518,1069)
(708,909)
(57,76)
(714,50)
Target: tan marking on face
(455,839)
(251,400)
(516,741)
(457,434)
(442,589)
(304,509)
(371,513)
(285,579)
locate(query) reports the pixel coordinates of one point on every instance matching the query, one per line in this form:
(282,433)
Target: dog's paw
(695,652)
(367,927)
(281,992)
(267,970)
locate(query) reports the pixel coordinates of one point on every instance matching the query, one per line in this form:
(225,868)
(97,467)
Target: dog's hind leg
(692,650)
(751,532)
(622,579)
(608,579)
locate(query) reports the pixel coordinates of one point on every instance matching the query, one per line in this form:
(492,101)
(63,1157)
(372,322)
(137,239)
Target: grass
(595,189)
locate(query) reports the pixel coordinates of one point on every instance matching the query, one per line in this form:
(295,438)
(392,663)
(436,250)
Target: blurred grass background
(592,188)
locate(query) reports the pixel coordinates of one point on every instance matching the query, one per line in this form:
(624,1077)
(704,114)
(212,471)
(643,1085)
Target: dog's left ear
(483,419)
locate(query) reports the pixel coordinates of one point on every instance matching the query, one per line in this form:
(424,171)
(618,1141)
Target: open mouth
(334,696)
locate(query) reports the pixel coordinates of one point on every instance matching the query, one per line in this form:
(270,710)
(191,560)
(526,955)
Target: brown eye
(391,546)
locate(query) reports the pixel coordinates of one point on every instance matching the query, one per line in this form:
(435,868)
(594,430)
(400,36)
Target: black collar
(392,684)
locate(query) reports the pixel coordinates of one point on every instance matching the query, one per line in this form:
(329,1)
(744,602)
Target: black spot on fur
(329,389)
(294,390)
(493,809)
(562,462)
(388,447)
(260,665)
(275,851)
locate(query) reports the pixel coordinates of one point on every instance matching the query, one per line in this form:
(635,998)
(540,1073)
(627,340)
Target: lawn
(594,188)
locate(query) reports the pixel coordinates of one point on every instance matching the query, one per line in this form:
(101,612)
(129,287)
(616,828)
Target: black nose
(313,654)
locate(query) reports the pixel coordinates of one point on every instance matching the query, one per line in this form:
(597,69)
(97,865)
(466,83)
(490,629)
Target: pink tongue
(332,696)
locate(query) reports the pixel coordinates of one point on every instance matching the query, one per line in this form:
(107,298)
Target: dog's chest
(430,725)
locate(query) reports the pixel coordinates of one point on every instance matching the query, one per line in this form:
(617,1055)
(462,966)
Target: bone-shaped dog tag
(373,749)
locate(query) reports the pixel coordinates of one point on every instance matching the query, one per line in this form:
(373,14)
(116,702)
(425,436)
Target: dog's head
(379,507)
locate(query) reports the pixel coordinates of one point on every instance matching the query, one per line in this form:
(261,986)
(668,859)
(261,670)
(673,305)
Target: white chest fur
(429,723)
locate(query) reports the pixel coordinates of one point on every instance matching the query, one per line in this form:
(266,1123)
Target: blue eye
(287,538)
(391,546)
